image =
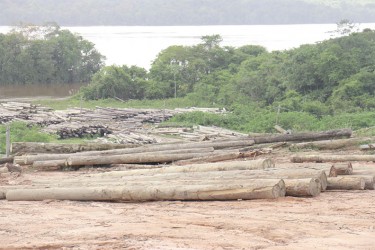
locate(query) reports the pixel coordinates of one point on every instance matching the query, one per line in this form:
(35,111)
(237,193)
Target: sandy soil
(333,220)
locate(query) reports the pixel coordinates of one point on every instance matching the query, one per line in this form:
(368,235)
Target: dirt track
(333,220)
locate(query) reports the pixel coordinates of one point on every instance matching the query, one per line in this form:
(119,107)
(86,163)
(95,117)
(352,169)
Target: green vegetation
(46,54)
(20,132)
(314,87)
(184,12)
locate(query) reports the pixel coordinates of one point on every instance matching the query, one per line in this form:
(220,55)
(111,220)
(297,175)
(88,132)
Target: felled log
(60,148)
(298,187)
(216,157)
(343,168)
(6,160)
(346,183)
(256,190)
(367,147)
(29,159)
(331,134)
(51,165)
(198,168)
(328,144)
(231,173)
(308,187)
(332,158)
(329,169)
(369,180)
(133,158)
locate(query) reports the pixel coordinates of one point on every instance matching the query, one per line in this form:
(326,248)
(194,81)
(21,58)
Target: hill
(184,12)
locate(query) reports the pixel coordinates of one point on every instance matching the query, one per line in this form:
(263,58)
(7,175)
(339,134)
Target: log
(331,134)
(369,180)
(6,160)
(134,158)
(332,158)
(329,169)
(30,159)
(367,146)
(198,168)
(343,168)
(216,157)
(308,187)
(328,144)
(346,183)
(233,175)
(256,190)
(60,148)
(49,165)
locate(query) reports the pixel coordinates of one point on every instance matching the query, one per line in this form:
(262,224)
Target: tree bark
(49,165)
(331,134)
(60,148)
(367,146)
(346,183)
(328,144)
(255,190)
(369,180)
(197,168)
(343,168)
(308,187)
(329,169)
(6,160)
(216,157)
(30,159)
(332,158)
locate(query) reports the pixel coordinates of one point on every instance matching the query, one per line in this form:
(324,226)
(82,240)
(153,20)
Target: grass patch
(20,132)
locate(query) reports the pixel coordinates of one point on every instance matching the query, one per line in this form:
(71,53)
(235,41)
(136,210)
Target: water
(34,91)
(140,45)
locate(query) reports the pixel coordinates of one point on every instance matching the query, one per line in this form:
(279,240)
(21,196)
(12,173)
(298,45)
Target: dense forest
(317,86)
(184,12)
(46,54)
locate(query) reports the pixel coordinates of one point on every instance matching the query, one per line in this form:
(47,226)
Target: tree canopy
(336,75)
(46,54)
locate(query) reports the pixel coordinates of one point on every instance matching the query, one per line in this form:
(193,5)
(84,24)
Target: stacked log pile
(121,126)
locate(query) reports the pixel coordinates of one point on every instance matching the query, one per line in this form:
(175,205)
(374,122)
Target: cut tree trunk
(216,157)
(332,134)
(49,165)
(59,148)
(343,168)
(231,175)
(369,180)
(308,187)
(328,144)
(255,190)
(367,147)
(6,160)
(329,169)
(30,159)
(196,168)
(346,183)
(332,158)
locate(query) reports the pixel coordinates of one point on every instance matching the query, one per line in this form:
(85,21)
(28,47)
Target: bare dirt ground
(333,220)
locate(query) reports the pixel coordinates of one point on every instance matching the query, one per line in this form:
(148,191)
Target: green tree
(117,82)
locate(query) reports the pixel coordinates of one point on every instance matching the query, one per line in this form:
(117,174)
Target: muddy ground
(333,220)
